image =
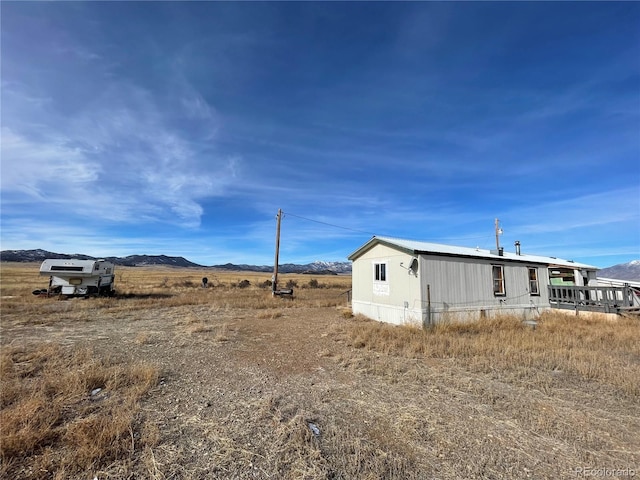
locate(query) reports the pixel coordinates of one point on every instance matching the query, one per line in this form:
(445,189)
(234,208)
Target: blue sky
(180,128)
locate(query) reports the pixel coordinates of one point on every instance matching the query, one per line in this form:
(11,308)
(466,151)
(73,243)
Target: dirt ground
(283,393)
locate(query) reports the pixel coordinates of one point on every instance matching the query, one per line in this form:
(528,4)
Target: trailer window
(533,281)
(65,268)
(380,270)
(498,280)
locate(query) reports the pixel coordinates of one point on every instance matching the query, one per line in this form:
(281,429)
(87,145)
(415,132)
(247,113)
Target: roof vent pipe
(517,244)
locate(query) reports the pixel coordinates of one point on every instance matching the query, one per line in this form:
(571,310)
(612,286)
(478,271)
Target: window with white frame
(533,281)
(498,280)
(380,272)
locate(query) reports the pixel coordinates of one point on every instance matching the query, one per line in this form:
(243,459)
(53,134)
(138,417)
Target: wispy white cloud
(597,209)
(13,90)
(44,168)
(78,51)
(121,152)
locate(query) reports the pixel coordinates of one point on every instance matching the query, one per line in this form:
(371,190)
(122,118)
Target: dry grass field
(168,380)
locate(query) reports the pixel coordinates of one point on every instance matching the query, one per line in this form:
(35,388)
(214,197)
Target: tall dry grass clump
(64,413)
(589,347)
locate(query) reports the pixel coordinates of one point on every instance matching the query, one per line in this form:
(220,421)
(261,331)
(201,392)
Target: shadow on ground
(143,295)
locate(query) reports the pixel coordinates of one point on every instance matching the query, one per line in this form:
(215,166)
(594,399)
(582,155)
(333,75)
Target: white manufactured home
(404,281)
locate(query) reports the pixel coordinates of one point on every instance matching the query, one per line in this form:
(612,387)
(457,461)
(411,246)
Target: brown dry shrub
(51,422)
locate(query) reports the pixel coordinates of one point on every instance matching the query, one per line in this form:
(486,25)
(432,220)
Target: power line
(483,237)
(329,224)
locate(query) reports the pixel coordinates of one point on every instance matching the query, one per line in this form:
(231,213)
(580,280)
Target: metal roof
(416,247)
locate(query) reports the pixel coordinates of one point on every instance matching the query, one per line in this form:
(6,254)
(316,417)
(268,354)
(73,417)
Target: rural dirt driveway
(284,393)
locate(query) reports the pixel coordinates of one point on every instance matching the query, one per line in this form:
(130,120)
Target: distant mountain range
(622,271)
(317,268)
(130,261)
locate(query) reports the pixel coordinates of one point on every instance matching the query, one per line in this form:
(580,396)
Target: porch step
(632,312)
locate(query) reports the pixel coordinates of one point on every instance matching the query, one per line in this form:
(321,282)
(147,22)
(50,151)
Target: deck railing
(595,299)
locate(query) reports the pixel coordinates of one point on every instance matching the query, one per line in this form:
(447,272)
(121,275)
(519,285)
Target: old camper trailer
(72,277)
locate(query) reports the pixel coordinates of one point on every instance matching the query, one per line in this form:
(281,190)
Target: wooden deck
(596,299)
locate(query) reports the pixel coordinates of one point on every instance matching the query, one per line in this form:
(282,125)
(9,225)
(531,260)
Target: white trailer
(74,277)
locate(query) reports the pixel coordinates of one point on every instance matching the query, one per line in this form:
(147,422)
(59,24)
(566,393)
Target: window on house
(380,272)
(533,281)
(498,280)
(561,276)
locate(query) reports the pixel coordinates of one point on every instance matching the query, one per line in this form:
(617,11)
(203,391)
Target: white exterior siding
(398,299)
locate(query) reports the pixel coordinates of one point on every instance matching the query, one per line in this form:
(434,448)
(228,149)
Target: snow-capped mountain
(317,267)
(337,267)
(622,271)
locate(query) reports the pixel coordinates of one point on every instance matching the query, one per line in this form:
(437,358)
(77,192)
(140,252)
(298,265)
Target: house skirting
(401,316)
(388,313)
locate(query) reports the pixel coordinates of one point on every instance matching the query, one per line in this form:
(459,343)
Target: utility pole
(274,284)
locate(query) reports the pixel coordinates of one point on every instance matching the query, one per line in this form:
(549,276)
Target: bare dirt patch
(254,387)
